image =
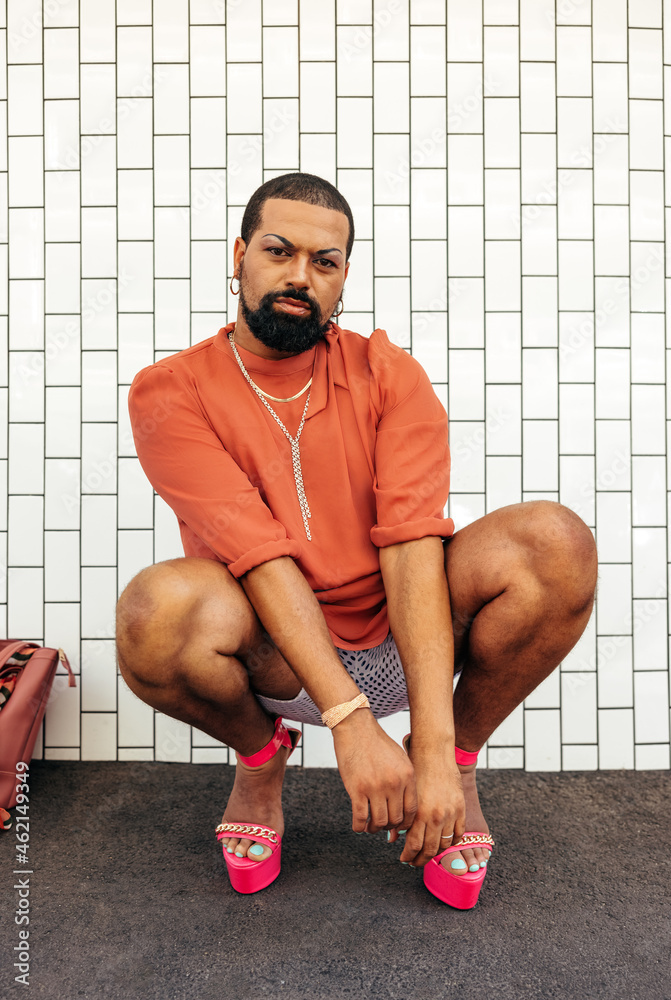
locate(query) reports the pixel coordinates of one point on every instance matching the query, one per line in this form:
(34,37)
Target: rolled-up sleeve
(412,456)
(189,467)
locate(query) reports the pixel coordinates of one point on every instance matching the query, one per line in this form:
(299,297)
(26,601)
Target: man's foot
(256,798)
(470,859)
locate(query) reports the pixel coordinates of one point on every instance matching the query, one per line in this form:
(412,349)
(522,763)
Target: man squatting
(308,467)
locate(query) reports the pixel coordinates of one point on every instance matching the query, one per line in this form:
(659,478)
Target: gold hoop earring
(342,307)
(231,285)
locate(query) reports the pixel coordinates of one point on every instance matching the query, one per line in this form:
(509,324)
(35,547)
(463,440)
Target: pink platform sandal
(247,875)
(460,891)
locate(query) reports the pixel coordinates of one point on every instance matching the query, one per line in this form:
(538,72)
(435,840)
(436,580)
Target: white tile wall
(513,158)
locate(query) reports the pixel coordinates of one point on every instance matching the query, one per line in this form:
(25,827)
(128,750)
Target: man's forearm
(290,613)
(418,603)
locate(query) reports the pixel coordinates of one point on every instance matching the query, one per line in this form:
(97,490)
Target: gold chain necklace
(293,441)
(277,399)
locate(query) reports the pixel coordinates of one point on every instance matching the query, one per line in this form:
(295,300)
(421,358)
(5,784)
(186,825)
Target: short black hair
(310,188)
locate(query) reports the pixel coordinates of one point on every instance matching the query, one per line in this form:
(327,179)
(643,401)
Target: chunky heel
(250,876)
(460,891)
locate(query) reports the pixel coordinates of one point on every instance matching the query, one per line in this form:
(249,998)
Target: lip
(294,306)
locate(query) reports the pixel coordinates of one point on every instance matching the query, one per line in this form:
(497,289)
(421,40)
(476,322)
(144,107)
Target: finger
(414,840)
(404,807)
(396,814)
(431,845)
(395,832)
(360,810)
(379,814)
(446,839)
(459,827)
(409,805)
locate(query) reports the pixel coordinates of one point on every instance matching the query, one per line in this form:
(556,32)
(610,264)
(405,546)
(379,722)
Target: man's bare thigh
(190,605)
(538,540)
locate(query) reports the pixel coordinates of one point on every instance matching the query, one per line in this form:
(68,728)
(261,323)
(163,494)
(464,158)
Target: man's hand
(440,808)
(377,774)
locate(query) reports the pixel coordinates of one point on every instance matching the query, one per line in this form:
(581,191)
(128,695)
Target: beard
(282,331)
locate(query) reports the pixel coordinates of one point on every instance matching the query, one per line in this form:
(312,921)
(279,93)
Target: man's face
(292,274)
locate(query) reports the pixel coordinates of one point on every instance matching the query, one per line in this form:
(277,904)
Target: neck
(261,392)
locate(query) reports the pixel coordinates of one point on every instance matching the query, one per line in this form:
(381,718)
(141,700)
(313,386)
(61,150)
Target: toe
(455,863)
(243,847)
(246,848)
(470,859)
(481,855)
(258,852)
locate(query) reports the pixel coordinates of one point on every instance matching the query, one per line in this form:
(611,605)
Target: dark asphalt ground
(130,896)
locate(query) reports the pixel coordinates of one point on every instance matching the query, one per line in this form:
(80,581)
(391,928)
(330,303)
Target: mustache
(298,296)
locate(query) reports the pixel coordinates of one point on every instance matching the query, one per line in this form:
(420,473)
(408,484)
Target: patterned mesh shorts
(377,672)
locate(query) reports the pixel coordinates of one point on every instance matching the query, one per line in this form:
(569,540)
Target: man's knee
(149,596)
(161,611)
(563,550)
(150,602)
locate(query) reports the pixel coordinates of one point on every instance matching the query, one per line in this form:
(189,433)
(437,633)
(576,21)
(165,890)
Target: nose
(296,274)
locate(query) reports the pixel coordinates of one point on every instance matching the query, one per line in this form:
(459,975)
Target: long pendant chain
(295,452)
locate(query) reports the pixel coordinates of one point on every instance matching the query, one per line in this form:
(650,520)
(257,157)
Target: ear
(239,248)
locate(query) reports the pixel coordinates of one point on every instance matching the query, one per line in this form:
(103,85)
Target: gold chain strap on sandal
(473,839)
(259,831)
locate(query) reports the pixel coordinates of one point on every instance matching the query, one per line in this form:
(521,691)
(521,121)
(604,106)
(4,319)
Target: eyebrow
(288,243)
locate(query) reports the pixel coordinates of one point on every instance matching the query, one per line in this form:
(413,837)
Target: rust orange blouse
(374,455)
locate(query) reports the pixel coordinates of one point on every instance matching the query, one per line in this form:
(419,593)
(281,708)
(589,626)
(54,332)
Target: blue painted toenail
(483,864)
(388,835)
(474,868)
(256,849)
(399,833)
(230,850)
(239,854)
(405,862)
(458,863)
